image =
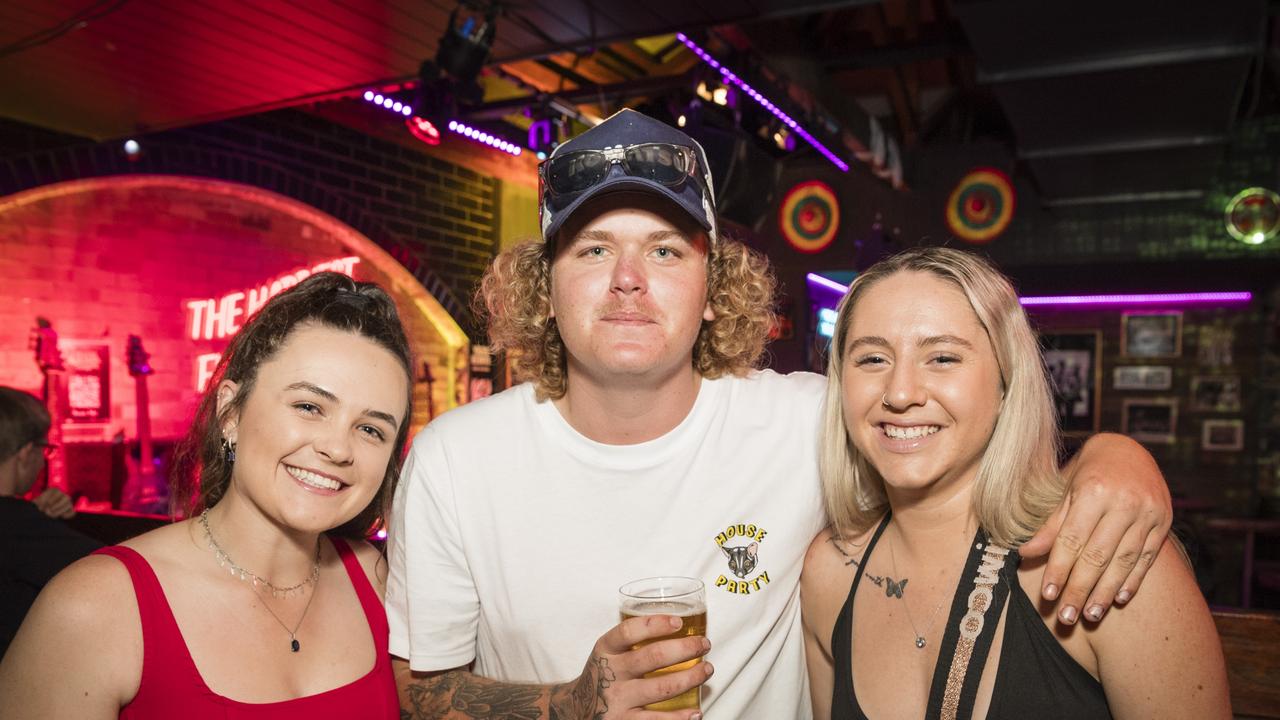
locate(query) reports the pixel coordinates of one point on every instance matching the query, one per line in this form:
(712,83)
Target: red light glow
(211,318)
(423,129)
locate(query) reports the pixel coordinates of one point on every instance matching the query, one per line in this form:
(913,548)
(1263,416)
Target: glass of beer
(679,596)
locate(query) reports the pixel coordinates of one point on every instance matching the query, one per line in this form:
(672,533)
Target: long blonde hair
(1018,484)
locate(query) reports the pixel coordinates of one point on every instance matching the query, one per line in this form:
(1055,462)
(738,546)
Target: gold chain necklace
(224,560)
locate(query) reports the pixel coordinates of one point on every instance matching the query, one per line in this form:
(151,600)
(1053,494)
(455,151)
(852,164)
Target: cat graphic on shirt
(742,560)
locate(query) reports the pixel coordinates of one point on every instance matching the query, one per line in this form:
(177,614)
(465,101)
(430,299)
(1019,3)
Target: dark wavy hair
(200,472)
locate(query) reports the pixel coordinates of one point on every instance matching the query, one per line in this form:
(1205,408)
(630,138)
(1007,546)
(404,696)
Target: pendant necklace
(225,560)
(920,642)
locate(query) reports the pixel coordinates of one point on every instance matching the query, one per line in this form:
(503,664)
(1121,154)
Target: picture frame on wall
(1142,377)
(1074,361)
(88,366)
(1153,420)
(1151,334)
(1222,435)
(1215,393)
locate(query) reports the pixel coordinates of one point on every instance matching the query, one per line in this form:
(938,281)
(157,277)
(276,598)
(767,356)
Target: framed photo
(1215,393)
(1074,361)
(1151,334)
(1222,435)
(1143,377)
(1151,421)
(88,380)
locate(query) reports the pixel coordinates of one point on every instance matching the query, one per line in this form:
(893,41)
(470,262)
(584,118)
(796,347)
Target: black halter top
(1036,677)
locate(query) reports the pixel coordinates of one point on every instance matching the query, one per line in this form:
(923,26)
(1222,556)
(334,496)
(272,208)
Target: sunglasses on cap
(663,163)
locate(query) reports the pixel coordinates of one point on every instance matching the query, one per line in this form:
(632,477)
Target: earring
(230,449)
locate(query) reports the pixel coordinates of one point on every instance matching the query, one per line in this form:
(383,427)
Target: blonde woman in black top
(938,462)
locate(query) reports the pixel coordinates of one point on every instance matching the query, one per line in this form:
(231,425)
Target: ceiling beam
(1122,146)
(936,42)
(1132,61)
(593,92)
(1121,198)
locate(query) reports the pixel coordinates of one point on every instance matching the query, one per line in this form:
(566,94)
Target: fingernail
(1068,614)
(706,644)
(675,623)
(695,716)
(1050,592)
(1094,612)
(707,666)
(1123,597)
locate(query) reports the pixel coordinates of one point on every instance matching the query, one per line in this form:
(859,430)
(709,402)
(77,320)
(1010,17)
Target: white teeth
(309,478)
(909,433)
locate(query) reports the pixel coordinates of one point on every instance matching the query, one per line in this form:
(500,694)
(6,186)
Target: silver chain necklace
(920,642)
(225,560)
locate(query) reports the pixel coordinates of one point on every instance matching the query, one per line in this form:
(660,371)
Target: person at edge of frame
(37,543)
(939,459)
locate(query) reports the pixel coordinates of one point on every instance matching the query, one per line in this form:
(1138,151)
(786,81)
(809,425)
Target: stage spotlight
(423,129)
(463,50)
(132,150)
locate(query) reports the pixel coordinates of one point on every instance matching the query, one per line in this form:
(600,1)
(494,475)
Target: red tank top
(172,687)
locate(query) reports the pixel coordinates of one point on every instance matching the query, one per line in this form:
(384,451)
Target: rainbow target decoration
(809,216)
(1253,216)
(981,206)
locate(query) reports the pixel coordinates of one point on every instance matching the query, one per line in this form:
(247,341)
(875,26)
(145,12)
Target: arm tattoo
(454,695)
(584,698)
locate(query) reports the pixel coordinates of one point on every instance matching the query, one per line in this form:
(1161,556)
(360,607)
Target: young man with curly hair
(645,443)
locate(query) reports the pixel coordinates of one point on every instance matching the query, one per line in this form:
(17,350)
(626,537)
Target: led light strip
(1137,299)
(1166,299)
(485,138)
(763,101)
(391,104)
(462,129)
(827,283)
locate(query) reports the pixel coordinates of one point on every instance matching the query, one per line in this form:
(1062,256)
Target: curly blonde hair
(515,297)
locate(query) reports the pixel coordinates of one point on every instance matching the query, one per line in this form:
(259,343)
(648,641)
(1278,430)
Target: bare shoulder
(1169,594)
(829,566)
(374,563)
(1166,631)
(90,612)
(93,590)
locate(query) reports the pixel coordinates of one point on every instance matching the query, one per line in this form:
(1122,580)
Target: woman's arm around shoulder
(1160,655)
(824,583)
(79,651)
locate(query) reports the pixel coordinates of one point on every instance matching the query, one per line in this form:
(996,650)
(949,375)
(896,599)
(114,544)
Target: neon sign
(221,317)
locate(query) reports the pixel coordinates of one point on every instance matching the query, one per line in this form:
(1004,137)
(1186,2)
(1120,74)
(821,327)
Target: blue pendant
(294,644)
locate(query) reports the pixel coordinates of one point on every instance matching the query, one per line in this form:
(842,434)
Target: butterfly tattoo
(892,588)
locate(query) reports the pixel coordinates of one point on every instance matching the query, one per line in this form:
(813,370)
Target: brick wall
(105,259)
(437,218)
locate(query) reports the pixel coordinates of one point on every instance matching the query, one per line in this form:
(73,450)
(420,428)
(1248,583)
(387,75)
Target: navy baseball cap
(624,145)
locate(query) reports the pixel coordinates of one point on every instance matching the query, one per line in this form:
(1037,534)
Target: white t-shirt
(512,532)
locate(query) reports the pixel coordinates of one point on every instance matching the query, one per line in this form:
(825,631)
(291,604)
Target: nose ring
(884,400)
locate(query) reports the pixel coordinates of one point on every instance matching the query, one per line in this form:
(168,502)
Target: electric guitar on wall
(44,341)
(145,490)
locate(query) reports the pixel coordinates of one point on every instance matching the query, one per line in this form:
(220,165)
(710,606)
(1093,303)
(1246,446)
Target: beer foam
(664,607)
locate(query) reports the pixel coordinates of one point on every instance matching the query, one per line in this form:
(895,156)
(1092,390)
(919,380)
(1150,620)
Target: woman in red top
(256,606)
